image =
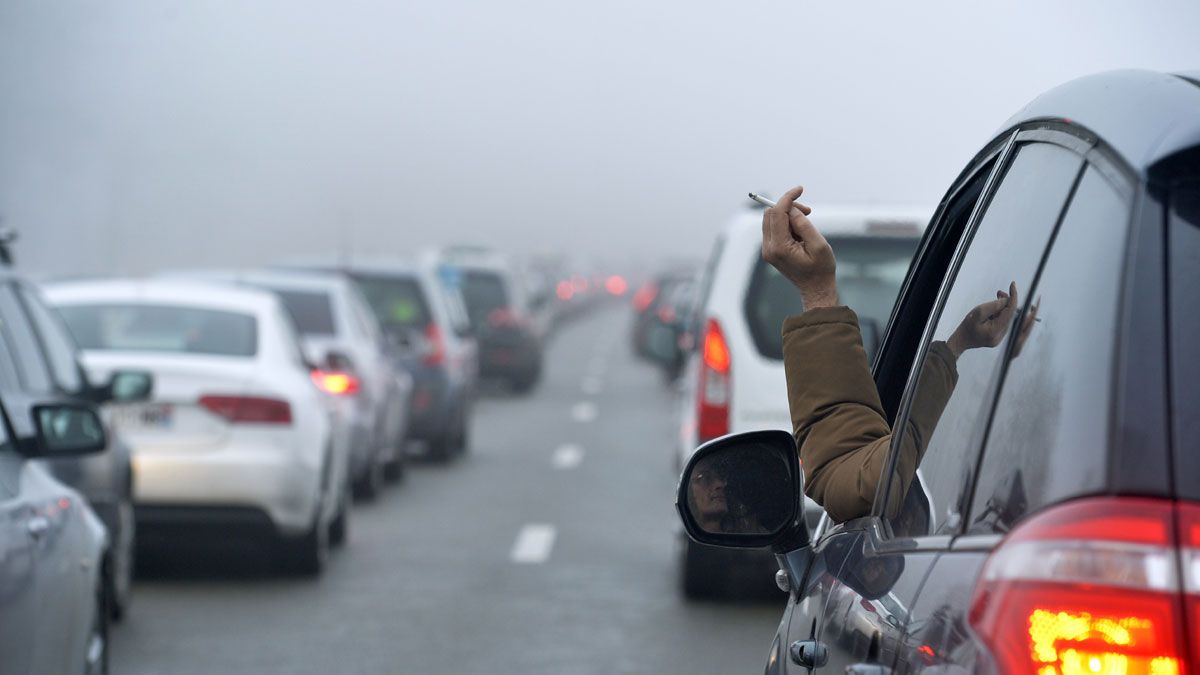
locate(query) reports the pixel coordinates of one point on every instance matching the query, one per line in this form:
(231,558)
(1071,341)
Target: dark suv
(1054,520)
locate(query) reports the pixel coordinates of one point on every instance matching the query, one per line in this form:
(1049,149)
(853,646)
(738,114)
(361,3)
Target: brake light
(436,354)
(336,382)
(616,285)
(248,409)
(713,389)
(1189,534)
(1086,587)
(644,297)
(564,290)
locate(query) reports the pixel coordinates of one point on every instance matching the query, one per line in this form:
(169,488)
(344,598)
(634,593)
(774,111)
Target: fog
(141,135)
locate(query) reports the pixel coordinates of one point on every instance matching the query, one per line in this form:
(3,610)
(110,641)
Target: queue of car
(236,407)
(1051,522)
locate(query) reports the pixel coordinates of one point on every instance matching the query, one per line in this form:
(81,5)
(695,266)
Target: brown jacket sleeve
(837,417)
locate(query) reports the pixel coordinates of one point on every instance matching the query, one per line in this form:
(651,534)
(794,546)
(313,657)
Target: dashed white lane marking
(568,456)
(533,545)
(591,384)
(584,411)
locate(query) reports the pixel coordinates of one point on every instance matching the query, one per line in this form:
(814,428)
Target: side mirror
(68,430)
(744,491)
(130,385)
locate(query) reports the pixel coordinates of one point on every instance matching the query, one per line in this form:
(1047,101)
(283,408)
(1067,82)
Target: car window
(944,419)
(162,328)
(396,302)
(483,293)
(312,311)
(1185,332)
(869,273)
(31,363)
(56,341)
(1048,434)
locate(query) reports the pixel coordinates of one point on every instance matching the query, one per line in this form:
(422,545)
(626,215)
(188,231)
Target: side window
(1047,435)
(944,421)
(59,347)
(31,364)
(1185,333)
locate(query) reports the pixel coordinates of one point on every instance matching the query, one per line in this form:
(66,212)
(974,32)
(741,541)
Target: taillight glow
(645,297)
(1086,587)
(335,382)
(564,290)
(505,317)
(435,346)
(248,409)
(615,285)
(713,389)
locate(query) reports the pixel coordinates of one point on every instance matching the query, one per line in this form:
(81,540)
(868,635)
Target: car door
(848,620)
(19,523)
(945,427)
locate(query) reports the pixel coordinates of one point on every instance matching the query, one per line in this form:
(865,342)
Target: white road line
(591,385)
(568,456)
(533,545)
(584,411)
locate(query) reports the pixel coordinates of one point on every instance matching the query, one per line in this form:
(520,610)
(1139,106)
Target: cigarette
(762,200)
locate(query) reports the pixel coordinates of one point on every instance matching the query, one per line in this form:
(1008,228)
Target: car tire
(368,486)
(698,575)
(307,554)
(339,527)
(525,382)
(95,659)
(393,471)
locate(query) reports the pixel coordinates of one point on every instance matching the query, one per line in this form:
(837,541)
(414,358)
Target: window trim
(1074,139)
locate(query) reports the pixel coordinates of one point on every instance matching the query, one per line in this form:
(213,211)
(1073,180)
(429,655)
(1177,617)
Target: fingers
(991,309)
(784,205)
(802,208)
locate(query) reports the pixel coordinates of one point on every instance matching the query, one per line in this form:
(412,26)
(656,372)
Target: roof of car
(1144,116)
(373,265)
(292,279)
(165,291)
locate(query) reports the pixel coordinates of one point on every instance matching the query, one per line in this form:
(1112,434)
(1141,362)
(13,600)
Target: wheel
(368,486)
(394,470)
(305,555)
(525,382)
(340,524)
(119,577)
(698,575)
(96,657)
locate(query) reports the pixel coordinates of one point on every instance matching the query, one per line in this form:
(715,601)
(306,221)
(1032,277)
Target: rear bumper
(434,405)
(270,481)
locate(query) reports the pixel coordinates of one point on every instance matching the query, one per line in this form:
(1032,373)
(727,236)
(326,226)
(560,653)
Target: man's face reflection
(709,503)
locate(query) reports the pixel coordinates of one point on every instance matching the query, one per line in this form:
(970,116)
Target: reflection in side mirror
(339,362)
(743,491)
(131,385)
(67,430)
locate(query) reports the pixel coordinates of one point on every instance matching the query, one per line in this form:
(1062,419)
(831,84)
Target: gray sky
(141,135)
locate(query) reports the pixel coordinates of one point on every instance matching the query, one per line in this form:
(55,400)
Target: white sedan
(236,434)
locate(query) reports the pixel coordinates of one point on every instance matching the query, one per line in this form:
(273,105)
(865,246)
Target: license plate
(153,416)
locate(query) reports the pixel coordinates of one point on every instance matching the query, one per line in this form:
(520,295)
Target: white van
(734,381)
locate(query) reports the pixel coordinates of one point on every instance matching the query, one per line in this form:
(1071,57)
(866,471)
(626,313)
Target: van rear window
(870,271)
(162,328)
(1185,332)
(311,311)
(397,302)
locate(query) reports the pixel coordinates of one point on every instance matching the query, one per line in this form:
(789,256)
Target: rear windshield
(311,310)
(396,301)
(1185,332)
(162,328)
(870,271)
(483,292)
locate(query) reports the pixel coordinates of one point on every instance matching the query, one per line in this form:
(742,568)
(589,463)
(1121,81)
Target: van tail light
(1189,556)
(713,389)
(336,382)
(1090,586)
(435,354)
(248,409)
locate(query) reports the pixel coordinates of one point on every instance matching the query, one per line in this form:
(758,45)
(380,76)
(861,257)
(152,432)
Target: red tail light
(248,409)
(616,285)
(436,345)
(336,382)
(644,297)
(713,389)
(564,290)
(1087,587)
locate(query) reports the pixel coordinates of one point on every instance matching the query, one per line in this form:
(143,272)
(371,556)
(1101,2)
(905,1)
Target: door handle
(809,653)
(868,669)
(37,526)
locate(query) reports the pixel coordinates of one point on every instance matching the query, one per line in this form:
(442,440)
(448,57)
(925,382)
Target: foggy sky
(136,136)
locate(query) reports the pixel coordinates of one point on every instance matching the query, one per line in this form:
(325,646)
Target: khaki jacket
(837,417)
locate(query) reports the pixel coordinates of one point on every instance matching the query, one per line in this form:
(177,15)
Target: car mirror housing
(67,430)
(744,491)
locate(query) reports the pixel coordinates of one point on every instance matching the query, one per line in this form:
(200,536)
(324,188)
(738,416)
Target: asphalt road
(548,549)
